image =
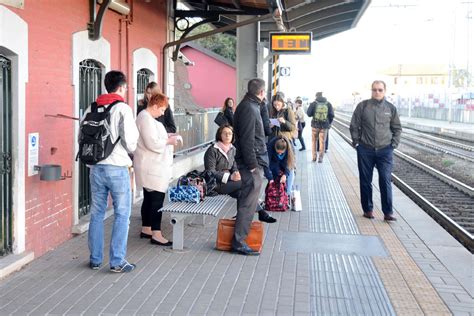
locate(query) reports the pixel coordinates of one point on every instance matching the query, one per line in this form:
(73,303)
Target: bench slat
(210,206)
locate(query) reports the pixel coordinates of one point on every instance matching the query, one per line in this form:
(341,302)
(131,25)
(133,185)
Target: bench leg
(177,220)
(198,221)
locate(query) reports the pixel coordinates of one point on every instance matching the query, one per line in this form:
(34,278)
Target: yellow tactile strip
(406,285)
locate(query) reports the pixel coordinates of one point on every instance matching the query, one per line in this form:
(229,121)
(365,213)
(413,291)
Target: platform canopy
(323,18)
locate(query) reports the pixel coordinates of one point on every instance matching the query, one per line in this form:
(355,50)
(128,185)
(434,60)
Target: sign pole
(276,74)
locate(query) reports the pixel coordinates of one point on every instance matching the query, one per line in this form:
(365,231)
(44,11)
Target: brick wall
(51,23)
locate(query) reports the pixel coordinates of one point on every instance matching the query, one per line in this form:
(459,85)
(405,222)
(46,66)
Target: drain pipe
(276,15)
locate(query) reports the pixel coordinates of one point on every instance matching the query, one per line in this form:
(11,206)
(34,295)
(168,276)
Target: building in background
(212,78)
(430,91)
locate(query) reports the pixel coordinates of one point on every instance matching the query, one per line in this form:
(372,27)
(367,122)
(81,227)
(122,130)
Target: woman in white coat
(152,162)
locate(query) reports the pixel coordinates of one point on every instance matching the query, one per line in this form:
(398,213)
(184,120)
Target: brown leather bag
(225,233)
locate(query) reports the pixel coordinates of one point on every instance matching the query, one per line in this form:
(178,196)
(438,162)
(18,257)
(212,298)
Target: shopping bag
(297,206)
(225,233)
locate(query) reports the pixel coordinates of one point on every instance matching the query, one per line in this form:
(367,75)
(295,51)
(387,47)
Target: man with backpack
(322,114)
(107,134)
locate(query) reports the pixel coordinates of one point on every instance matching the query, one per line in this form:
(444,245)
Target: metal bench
(179,211)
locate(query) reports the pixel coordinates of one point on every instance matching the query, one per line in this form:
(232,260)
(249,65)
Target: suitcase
(276,199)
(225,233)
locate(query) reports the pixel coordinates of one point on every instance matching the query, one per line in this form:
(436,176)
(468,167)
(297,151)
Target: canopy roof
(321,17)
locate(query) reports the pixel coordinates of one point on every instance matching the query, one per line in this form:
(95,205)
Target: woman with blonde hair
(282,162)
(167,119)
(152,162)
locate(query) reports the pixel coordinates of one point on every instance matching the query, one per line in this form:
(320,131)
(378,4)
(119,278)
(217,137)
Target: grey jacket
(375,124)
(220,164)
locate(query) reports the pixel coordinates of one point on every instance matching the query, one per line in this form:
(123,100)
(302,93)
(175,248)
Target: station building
(53,58)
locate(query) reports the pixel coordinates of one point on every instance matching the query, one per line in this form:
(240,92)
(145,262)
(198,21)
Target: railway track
(409,137)
(449,201)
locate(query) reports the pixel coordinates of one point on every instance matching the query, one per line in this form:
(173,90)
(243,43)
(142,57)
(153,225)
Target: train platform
(462,131)
(324,260)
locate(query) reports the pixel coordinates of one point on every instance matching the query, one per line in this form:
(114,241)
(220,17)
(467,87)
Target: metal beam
(303,13)
(94,27)
(214,13)
(313,7)
(205,34)
(219,30)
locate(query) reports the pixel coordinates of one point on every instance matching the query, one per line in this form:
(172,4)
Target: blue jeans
(116,180)
(367,159)
(289,182)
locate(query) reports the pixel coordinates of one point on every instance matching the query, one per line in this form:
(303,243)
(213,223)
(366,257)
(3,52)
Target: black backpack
(95,144)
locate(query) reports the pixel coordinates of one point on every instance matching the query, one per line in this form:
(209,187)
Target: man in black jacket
(251,158)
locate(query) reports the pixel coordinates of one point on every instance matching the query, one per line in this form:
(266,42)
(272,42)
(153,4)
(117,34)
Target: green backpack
(321,112)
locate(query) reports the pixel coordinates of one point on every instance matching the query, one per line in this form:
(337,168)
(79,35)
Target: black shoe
(159,243)
(246,251)
(301,149)
(143,235)
(94,266)
(389,218)
(265,217)
(369,215)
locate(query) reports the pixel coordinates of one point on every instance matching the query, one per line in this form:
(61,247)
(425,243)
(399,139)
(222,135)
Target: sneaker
(125,267)
(94,266)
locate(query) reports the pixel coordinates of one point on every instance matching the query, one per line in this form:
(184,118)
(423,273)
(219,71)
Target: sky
(389,33)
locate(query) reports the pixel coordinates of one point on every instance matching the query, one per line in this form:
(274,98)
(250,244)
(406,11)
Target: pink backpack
(276,199)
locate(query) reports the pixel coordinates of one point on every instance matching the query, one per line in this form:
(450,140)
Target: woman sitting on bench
(219,159)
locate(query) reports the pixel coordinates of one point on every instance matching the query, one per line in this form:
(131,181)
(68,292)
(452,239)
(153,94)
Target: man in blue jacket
(251,158)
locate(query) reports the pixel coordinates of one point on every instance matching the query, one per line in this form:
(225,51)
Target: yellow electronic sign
(290,43)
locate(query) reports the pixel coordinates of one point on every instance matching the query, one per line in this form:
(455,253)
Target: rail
(461,234)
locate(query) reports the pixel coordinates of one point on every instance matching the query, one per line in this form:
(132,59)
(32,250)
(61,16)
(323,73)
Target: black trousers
(300,135)
(247,204)
(231,187)
(151,214)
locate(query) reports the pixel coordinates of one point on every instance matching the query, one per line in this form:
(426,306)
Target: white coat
(153,158)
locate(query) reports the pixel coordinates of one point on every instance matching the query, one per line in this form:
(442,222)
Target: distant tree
(222,44)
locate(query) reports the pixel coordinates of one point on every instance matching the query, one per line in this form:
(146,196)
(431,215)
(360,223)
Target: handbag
(225,233)
(220,119)
(183,192)
(194,178)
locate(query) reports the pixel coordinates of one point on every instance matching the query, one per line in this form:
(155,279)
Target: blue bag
(183,192)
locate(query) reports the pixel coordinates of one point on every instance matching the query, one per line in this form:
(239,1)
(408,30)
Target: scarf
(225,148)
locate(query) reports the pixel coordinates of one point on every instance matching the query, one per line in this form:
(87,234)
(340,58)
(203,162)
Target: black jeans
(151,214)
(300,134)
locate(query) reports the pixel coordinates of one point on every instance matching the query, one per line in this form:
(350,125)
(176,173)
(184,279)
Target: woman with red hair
(153,161)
